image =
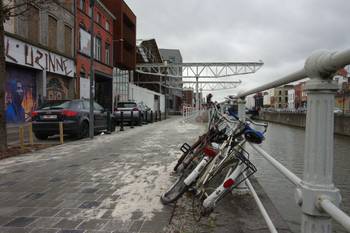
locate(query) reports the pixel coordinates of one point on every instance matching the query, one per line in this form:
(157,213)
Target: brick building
(39,58)
(188,97)
(124,41)
(103,50)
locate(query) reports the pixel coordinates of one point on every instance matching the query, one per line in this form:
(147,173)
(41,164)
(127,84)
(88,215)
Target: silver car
(128,107)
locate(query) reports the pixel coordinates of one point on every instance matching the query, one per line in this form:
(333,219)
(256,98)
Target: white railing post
(318,159)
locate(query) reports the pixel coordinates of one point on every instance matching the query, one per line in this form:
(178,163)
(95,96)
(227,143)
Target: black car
(75,117)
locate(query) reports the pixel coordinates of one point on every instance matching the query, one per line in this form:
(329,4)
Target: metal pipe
(91,112)
(261,207)
(336,61)
(287,173)
(336,213)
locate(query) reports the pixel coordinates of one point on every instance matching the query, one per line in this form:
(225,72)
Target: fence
(315,193)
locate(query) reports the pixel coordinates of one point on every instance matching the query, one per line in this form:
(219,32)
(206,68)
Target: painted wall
(146,96)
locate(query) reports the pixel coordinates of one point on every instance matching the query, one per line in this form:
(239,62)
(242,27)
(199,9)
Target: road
(113,184)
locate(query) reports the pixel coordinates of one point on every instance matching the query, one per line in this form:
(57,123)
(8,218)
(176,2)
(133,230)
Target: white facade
(291,99)
(150,98)
(267,97)
(250,101)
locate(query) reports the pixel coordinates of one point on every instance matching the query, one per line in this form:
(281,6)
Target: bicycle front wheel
(175,191)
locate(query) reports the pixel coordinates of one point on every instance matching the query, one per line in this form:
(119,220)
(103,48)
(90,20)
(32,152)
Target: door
(100,117)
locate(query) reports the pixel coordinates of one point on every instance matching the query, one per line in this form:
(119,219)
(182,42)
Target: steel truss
(196,72)
(199,69)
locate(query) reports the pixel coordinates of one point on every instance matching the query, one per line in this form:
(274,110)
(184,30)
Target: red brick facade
(124,36)
(103,32)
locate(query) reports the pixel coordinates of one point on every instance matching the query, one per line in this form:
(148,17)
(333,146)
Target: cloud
(281,33)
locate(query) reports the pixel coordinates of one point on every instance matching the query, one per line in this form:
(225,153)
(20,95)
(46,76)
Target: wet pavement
(113,184)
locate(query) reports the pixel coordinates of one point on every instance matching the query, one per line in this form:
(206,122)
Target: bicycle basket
(248,168)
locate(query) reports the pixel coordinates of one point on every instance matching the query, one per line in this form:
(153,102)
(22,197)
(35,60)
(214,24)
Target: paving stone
(20,222)
(15,230)
(8,211)
(93,224)
(25,212)
(68,213)
(113,225)
(46,212)
(4,220)
(89,190)
(89,204)
(44,230)
(44,222)
(68,223)
(136,226)
(71,231)
(70,204)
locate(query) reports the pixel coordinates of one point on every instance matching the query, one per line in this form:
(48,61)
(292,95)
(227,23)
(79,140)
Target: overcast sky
(280,33)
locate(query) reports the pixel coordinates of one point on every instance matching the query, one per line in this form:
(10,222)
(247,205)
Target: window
(285,99)
(68,40)
(97,54)
(286,92)
(33,23)
(107,25)
(84,42)
(98,18)
(90,11)
(107,54)
(82,5)
(52,32)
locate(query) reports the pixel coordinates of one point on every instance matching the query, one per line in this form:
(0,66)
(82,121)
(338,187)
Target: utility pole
(91,115)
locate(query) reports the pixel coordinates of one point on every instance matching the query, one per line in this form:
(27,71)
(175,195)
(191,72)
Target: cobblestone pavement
(111,184)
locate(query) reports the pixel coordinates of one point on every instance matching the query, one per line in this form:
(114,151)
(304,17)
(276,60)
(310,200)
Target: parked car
(126,108)
(75,117)
(337,110)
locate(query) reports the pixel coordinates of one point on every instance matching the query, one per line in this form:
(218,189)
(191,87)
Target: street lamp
(91,113)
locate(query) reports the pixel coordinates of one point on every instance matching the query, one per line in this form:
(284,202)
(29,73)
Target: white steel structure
(200,75)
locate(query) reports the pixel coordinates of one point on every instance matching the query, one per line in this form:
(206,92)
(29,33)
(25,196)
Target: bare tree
(8,9)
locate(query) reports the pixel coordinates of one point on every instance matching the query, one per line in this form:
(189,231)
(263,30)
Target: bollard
(151,116)
(132,119)
(155,116)
(109,125)
(121,121)
(146,117)
(61,132)
(160,115)
(21,136)
(140,119)
(30,128)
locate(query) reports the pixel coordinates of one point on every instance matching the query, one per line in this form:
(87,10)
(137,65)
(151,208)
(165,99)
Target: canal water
(286,144)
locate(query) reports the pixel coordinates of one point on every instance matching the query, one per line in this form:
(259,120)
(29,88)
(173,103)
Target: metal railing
(315,193)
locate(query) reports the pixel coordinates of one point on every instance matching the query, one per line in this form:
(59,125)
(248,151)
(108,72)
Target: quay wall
(341,122)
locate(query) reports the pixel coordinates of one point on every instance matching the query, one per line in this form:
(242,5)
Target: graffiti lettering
(37,59)
(25,54)
(7,52)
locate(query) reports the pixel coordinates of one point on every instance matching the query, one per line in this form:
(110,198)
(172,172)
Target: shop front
(34,75)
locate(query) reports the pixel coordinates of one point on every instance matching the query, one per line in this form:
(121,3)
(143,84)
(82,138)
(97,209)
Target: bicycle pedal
(185,148)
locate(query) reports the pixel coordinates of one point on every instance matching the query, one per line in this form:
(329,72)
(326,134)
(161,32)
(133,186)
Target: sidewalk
(111,184)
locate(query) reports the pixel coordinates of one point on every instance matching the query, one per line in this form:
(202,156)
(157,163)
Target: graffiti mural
(57,88)
(20,95)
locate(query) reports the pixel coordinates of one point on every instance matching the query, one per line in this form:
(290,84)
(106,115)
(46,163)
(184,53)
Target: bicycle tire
(175,191)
